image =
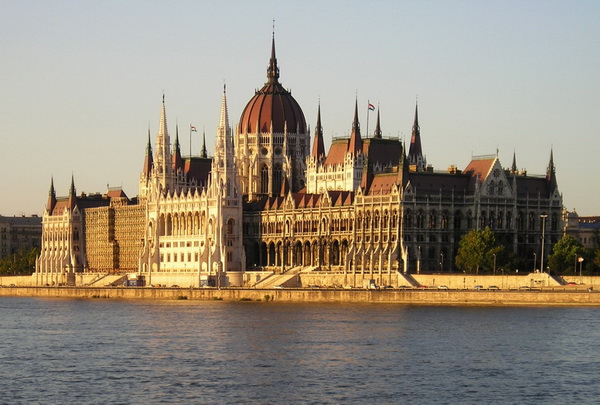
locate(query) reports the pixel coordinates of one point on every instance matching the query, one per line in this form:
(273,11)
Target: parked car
(478,287)
(443,287)
(493,287)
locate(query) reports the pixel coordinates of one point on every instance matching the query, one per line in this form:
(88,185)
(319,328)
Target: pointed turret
(415,152)
(203,153)
(72,194)
(176,159)
(355,144)
(148,160)
(513,168)
(273,70)
(377,133)
(551,173)
(51,197)
(318,150)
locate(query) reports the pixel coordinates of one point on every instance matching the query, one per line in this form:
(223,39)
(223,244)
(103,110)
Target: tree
(564,255)
(478,249)
(21,262)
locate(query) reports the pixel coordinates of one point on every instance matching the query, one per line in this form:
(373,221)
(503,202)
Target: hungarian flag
(371,107)
(193,128)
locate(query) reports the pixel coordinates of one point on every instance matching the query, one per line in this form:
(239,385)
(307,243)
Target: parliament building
(273,204)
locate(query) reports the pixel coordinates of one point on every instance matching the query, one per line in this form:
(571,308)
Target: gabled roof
(480,167)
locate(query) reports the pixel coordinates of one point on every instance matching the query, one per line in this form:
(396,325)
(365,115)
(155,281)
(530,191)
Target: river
(95,351)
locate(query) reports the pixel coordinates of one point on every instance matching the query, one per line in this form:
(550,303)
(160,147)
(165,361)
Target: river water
(56,351)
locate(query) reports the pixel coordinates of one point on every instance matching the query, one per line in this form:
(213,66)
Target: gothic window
(491,186)
(420,219)
(367,219)
(277,178)
(264,180)
(376,220)
(500,220)
(520,221)
(508,220)
(444,223)
(230,224)
(554,225)
(432,219)
(385,219)
(457,220)
(531,222)
(482,220)
(407,219)
(500,188)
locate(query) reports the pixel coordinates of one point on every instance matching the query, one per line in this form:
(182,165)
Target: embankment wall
(563,297)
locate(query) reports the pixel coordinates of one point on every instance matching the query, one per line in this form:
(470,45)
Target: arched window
(230,225)
(407,219)
(432,219)
(457,220)
(500,188)
(277,178)
(420,219)
(491,187)
(444,222)
(264,180)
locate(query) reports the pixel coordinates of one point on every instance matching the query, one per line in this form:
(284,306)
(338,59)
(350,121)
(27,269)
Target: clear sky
(81,81)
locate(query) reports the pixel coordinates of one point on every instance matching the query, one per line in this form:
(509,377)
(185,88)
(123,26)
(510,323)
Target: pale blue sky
(81,81)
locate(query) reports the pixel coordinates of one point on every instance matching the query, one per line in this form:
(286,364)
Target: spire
(51,197)
(224,154)
(318,146)
(513,168)
(415,152)
(148,161)
(162,157)
(551,172)
(355,144)
(377,133)
(224,121)
(273,70)
(203,154)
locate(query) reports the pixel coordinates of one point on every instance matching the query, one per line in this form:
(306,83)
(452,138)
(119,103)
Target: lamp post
(534,261)
(442,262)
(543,216)
(580,260)
(494,254)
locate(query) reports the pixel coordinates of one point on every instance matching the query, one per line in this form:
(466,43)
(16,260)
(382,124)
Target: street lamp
(580,266)
(543,216)
(534,261)
(442,262)
(494,254)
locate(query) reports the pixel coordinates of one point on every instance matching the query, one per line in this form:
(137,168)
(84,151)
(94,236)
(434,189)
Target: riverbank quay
(552,297)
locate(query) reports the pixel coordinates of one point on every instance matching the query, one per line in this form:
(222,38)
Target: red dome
(272,105)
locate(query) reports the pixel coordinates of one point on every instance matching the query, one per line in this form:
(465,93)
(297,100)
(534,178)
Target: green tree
(21,262)
(478,250)
(564,255)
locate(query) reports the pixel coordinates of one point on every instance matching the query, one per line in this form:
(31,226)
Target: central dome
(272,107)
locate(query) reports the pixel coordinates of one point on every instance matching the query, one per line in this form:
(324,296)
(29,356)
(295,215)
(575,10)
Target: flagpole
(368,111)
(190,141)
